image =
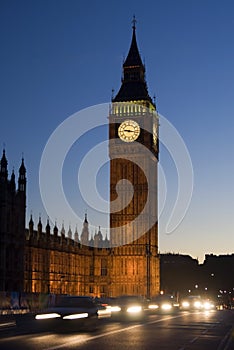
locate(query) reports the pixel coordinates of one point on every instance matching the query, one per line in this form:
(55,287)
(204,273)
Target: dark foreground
(200,330)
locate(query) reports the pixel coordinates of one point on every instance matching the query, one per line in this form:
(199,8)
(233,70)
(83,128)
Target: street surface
(198,330)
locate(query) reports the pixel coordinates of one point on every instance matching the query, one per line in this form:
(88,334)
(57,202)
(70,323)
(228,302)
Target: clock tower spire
(134,86)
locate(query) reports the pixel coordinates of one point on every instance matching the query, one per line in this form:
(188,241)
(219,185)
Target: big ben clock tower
(133,151)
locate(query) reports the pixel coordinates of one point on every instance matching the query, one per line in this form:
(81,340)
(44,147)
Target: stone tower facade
(12,227)
(133,151)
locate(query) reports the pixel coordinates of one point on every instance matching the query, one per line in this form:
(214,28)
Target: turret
(22,177)
(63,231)
(85,232)
(107,242)
(55,230)
(47,229)
(12,182)
(76,236)
(69,233)
(98,240)
(3,167)
(30,225)
(29,232)
(39,228)
(62,234)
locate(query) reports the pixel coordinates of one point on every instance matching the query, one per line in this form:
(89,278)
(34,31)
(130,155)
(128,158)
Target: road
(181,331)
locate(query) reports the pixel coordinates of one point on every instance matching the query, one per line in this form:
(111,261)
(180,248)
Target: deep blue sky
(58,57)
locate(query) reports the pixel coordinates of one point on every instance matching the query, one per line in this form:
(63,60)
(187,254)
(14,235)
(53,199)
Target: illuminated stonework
(37,261)
(135,262)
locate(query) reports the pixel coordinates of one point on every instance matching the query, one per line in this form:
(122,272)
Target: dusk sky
(58,57)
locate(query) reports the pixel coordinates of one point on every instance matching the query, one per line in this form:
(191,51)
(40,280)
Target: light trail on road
(81,341)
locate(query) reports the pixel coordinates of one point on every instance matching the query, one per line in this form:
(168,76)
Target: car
(128,308)
(208,304)
(69,313)
(191,302)
(162,304)
(104,308)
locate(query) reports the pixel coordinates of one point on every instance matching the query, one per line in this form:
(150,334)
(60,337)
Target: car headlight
(115,308)
(197,304)
(47,316)
(185,304)
(153,306)
(166,306)
(208,305)
(76,316)
(134,309)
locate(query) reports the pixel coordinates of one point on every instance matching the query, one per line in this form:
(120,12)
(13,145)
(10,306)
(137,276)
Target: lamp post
(147,271)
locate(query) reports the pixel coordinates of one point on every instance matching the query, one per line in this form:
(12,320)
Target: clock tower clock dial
(133,117)
(129,130)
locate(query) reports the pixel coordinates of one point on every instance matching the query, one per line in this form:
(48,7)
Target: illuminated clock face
(129,131)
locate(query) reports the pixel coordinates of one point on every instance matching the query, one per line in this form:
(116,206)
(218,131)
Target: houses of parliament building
(48,260)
